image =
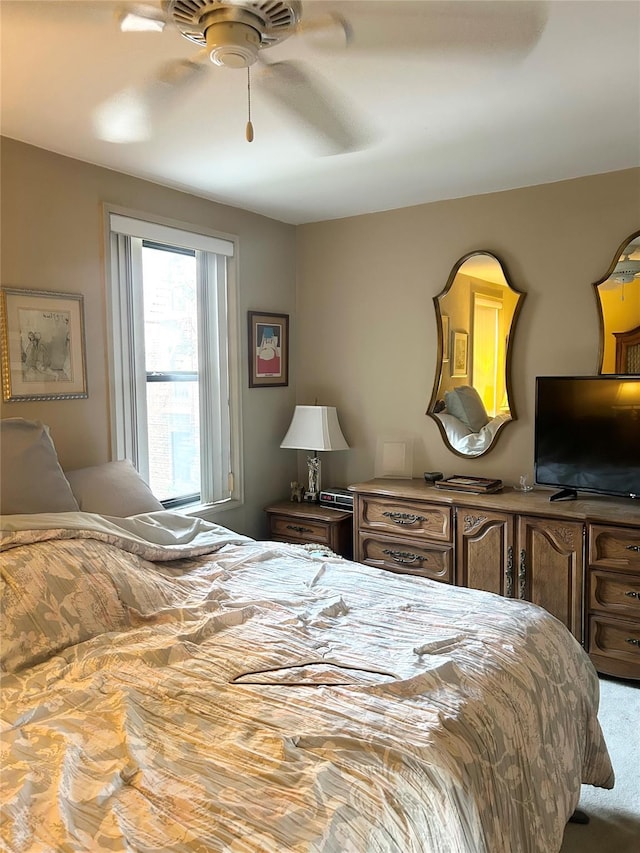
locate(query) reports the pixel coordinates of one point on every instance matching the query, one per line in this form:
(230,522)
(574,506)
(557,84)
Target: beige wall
(363,332)
(52,240)
(366,323)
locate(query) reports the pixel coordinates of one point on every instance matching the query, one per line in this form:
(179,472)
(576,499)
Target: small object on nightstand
(297,491)
(432,476)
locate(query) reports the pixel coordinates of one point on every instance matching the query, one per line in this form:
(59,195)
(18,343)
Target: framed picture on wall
(268,349)
(43,347)
(460,366)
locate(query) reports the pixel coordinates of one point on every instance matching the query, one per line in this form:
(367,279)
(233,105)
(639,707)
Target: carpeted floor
(614,825)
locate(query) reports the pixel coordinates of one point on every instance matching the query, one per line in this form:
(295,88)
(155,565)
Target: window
(175,389)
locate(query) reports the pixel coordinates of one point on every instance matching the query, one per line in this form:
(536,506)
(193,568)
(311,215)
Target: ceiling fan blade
(128,116)
(462,28)
(328,32)
(141,18)
(310,102)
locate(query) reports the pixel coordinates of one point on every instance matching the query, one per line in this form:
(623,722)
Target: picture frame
(445,336)
(268,349)
(394,456)
(43,345)
(460,364)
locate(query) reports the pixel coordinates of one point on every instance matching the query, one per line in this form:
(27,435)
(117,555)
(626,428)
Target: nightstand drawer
(300,530)
(310,523)
(416,519)
(614,547)
(616,594)
(427,561)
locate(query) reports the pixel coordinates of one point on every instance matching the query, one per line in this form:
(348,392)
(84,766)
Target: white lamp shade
(314,428)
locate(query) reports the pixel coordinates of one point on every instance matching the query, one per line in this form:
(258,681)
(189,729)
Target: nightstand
(290,521)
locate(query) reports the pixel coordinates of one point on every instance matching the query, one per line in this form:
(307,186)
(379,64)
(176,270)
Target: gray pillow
(31,479)
(466,404)
(114,488)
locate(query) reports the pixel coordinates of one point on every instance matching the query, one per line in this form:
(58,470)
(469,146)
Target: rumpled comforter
(259,697)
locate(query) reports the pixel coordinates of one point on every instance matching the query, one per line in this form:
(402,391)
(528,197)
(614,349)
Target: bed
(169,684)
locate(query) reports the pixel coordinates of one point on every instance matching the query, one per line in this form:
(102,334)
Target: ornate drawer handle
(633,548)
(403,556)
(509,572)
(633,641)
(403,517)
(299,529)
(522,574)
(633,594)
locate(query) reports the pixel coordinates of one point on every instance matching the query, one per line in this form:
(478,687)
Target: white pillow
(31,479)
(114,488)
(454,427)
(466,404)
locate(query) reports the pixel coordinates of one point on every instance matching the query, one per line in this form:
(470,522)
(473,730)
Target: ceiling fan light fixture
(626,270)
(273,20)
(232,44)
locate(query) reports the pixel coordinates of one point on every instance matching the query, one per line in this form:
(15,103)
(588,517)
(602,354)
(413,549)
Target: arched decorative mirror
(618,298)
(476,316)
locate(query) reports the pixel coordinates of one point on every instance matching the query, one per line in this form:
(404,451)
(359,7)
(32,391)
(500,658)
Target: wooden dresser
(580,559)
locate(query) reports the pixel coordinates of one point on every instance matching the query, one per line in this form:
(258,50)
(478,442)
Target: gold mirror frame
(487,438)
(607,353)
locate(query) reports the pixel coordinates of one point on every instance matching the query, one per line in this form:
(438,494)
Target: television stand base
(564,495)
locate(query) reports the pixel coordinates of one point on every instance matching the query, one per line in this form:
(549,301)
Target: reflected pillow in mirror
(466,404)
(455,429)
(114,488)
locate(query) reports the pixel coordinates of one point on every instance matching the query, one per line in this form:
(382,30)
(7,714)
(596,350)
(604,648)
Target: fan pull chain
(249,129)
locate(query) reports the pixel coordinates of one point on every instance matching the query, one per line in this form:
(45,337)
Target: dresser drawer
(300,530)
(616,594)
(614,547)
(615,639)
(428,561)
(415,519)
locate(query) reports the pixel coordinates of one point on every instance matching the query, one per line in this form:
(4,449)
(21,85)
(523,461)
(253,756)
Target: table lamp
(314,428)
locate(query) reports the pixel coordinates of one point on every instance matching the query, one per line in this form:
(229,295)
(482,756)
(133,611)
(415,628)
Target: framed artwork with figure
(268,349)
(43,348)
(460,354)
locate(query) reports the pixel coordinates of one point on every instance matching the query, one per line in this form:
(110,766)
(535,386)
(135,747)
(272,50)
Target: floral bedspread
(258,697)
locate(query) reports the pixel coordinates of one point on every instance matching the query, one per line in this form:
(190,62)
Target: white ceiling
(476,101)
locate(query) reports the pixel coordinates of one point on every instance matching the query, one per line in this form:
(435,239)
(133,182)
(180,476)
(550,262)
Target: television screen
(587,433)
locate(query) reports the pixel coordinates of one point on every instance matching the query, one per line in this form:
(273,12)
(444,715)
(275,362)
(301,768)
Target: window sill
(209,512)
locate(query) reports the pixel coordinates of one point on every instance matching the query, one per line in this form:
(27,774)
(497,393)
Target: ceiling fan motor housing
(234,32)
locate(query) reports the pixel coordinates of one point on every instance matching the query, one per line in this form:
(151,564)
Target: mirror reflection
(618,295)
(476,313)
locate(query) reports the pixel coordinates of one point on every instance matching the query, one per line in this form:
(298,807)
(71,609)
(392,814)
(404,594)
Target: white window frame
(221,484)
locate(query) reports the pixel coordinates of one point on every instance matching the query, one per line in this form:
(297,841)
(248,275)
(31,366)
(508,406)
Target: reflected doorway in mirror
(445,337)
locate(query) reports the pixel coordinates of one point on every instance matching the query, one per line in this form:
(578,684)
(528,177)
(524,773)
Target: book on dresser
(476,485)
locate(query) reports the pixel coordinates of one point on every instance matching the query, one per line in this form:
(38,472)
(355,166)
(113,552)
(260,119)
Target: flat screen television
(587,434)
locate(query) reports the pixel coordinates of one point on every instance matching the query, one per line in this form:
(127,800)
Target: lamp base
(313,492)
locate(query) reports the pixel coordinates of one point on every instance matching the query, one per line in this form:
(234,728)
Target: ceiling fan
(627,267)
(239,34)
